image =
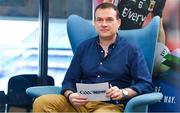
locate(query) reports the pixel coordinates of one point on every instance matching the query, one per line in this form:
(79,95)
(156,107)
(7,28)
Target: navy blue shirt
(123,64)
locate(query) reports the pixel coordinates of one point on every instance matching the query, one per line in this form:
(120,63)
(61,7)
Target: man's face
(106,23)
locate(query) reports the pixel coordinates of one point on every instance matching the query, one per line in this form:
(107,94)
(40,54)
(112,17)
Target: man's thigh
(53,103)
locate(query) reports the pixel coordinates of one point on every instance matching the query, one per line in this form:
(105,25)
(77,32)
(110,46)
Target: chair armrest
(42,90)
(140,103)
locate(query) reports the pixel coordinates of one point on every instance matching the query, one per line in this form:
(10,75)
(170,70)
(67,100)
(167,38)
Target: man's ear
(93,22)
(119,22)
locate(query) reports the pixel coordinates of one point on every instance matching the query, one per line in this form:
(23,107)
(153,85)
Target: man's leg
(54,103)
(99,107)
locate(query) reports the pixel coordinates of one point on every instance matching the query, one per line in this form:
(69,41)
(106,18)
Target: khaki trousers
(58,103)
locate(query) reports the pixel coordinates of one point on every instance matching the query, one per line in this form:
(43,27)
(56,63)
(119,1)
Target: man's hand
(117,94)
(77,100)
(114,93)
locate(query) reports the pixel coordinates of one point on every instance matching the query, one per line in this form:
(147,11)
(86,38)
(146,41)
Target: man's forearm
(131,92)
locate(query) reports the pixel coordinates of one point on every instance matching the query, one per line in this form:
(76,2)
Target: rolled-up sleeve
(140,73)
(73,74)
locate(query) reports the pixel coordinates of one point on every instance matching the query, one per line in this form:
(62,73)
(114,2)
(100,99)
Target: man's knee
(40,100)
(39,103)
(47,101)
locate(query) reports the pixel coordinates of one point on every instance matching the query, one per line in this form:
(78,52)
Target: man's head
(106,5)
(106,20)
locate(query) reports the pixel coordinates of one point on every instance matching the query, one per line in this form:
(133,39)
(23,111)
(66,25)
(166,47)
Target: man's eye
(99,20)
(109,19)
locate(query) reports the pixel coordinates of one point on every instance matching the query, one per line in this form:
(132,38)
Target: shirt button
(100,62)
(117,102)
(98,76)
(101,51)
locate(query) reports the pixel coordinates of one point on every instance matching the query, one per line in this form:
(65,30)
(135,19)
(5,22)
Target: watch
(125,93)
(69,95)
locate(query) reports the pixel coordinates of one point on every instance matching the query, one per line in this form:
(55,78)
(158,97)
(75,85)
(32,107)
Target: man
(104,58)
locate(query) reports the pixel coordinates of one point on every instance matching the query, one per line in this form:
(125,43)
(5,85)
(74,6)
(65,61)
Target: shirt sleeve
(140,73)
(158,8)
(73,74)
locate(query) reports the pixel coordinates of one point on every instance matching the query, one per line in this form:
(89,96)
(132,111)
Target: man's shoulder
(127,42)
(88,41)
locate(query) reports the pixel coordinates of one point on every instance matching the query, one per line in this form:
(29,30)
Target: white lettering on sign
(169,99)
(134,16)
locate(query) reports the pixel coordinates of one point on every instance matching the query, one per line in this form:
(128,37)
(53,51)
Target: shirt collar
(113,44)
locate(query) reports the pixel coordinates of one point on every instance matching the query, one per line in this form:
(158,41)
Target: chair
(2,101)
(17,85)
(145,38)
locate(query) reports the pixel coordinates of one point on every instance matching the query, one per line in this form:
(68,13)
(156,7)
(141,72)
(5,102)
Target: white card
(94,92)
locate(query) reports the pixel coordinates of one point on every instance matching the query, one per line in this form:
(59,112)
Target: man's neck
(105,42)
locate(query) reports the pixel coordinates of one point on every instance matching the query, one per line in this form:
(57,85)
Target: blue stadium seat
(80,29)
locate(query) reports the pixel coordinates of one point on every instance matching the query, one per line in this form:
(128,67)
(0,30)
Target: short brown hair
(107,5)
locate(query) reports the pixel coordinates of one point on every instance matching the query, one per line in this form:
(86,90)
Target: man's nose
(104,23)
